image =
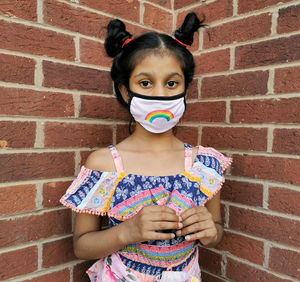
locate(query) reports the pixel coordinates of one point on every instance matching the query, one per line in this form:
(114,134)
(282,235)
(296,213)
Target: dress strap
(188,156)
(117,159)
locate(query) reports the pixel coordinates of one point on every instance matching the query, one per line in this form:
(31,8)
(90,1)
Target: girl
(161,195)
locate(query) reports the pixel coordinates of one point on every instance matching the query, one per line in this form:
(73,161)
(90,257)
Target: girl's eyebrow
(149,74)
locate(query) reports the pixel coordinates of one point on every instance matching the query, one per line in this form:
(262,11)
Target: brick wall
(57,105)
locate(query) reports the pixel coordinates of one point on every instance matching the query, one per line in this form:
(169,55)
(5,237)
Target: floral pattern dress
(121,195)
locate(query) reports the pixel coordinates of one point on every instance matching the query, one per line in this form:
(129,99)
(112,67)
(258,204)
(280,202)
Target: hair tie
(126,42)
(185,45)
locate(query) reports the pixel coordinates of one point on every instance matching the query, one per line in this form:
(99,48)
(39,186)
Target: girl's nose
(159,91)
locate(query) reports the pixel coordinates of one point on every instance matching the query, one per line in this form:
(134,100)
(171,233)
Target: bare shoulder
(100,159)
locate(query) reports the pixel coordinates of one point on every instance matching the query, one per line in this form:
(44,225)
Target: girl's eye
(145,83)
(172,83)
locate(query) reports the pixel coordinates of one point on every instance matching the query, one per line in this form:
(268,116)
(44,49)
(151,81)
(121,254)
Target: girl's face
(157,75)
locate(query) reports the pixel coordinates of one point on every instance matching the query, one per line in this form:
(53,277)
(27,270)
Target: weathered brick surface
(183,3)
(239,84)
(18,262)
(187,134)
(210,260)
(77,78)
(246,6)
(123,9)
(243,247)
(61,135)
(83,156)
(288,19)
(241,138)
(286,141)
(283,170)
(16,69)
(24,9)
(216,61)
(17,199)
(37,41)
(205,111)
(158,18)
(164,3)
(27,166)
(192,92)
(242,192)
(34,227)
(26,102)
(79,271)
(284,200)
(53,191)
(122,132)
(270,227)
(58,252)
(266,111)
(238,271)
(281,50)
(238,31)
(210,278)
(287,80)
(61,276)
(17,134)
(285,261)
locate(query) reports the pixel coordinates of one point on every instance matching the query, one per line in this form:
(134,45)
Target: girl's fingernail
(187,237)
(173,235)
(180,225)
(178,233)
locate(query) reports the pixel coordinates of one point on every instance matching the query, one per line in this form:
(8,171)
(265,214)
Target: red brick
(247,6)
(187,134)
(164,3)
(285,261)
(19,262)
(24,9)
(79,271)
(243,192)
(287,80)
(210,278)
(26,166)
(122,132)
(75,19)
(280,110)
(286,141)
(240,138)
(214,11)
(77,135)
(35,227)
(192,92)
(17,199)
(74,77)
(210,261)
(271,168)
(238,31)
(284,200)
(83,156)
(281,50)
(216,61)
(60,276)
(288,19)
(237,271)
(27,102)
(33,40)
(58,252)
(158,18)
(16,69)
(243,247)
(183,3)
(239,84)
(92,52)
(273,228)
(103,108)
(205,111)
(53,191)
(122,9)
(17,134)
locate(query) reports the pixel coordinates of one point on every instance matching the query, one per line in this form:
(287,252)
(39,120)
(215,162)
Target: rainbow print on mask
(159,114)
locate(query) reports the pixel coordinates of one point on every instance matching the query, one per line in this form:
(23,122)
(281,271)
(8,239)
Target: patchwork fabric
(120,196)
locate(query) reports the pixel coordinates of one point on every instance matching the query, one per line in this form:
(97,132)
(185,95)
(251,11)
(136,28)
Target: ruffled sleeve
(91,191)
(209,168)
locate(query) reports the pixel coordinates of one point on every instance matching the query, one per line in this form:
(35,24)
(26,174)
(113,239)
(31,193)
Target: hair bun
(190,25)
(116,35)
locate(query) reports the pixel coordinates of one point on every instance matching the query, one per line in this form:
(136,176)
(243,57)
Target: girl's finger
(200,235)
(195,218)
(194,228)
(194,210)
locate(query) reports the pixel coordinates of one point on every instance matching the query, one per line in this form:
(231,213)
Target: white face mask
(156,114)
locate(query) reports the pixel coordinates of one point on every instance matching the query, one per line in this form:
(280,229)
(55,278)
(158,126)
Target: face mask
(156,114)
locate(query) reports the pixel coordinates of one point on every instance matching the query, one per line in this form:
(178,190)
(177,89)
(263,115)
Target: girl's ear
(124,92)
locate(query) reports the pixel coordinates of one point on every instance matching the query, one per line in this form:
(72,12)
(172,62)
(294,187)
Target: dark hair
(126,57)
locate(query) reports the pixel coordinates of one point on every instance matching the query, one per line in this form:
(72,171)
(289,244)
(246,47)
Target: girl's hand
(145,224)
(198,224)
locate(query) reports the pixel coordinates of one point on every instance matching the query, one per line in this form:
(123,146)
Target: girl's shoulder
(100,160)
